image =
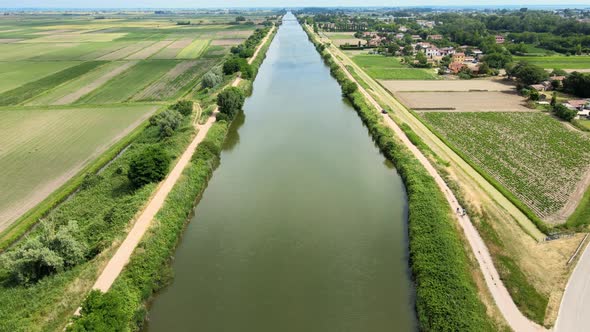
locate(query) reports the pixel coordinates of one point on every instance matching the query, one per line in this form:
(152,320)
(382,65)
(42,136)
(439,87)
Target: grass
(557,61)
(194,50)
(42,147)
(15,74)
(127,84)
(390,68)
(34,88)
(526,153)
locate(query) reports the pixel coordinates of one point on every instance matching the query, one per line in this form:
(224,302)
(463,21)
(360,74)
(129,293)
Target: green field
(14,74)
(557,61)
(41,149)
(390,68)
(194,50)
(537,158)
(129,83)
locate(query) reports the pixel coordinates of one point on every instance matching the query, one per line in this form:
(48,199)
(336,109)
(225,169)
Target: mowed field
(71,86)
(389,68)
(537,158)
(473,101)
(558,61)
(41,149)
(342,38)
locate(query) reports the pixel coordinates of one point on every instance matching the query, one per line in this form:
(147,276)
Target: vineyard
(535,157)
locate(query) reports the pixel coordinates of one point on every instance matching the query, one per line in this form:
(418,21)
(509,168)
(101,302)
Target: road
(515,319)
(143,222)
(574,311)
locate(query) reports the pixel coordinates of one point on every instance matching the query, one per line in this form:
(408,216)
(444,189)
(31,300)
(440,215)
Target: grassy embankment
(446,296)
(148,270)
(557,61)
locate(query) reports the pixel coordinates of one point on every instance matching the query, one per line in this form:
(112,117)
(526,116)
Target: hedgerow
(446,296)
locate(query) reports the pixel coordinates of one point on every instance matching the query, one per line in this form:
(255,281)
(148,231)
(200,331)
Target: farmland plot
(127,84)
(172,50)
(14,74)
(194,50)
(464,101)
(447,85)
(390,68)
(126,51)
(177,78)
(149,51)
(71,91)
(41,149)
(535,157)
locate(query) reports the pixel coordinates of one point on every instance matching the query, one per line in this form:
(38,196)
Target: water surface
(303,226)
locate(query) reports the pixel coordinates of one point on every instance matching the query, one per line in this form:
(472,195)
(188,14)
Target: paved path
(513,316)
(574,312)
(143,222)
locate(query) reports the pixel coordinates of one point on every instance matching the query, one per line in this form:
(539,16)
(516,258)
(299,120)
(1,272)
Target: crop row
(534,156)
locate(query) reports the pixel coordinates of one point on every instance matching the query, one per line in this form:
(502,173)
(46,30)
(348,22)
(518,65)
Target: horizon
(257,4)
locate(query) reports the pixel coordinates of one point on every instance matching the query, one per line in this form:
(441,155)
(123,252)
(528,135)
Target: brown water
(303,226)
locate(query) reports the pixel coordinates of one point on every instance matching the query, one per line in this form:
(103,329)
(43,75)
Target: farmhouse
(578,104)
(435,37)
(500,39)
(456,67)
(459,57)
(539,87)
(447,51)
(432,51)
(399,36)
(402,29)
(416,37)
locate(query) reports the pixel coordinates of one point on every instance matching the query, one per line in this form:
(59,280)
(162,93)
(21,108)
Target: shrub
(230,101)
(349,87)
(184,107)
(233,65)
(564,113)
(51,252)
(167,122)
(151,165)
(101,312)
(210,80)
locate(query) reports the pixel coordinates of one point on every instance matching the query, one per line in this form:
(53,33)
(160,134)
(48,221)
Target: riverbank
(148,267)
(446,293)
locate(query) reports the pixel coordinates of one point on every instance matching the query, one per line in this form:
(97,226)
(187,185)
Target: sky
(271,3)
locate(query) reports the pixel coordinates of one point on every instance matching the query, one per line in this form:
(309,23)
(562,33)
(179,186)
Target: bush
(230,101)
(101,312)
(578,84)
(210,80)
(349,87)
(233,65)
(184,107)
(151,165)
(564,113)
(167,122)
(51,252)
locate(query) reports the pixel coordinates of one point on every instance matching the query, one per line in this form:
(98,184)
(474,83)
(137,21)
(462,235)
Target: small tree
(167,122)
(150,165)
(232,66)
(210,80)
(554,99)
(230,101)
(349,87)
(534,95)
(240,19)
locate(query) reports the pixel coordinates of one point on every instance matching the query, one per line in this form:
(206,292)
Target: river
(303,227)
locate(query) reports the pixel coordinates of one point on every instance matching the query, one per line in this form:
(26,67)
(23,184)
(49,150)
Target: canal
(303,225)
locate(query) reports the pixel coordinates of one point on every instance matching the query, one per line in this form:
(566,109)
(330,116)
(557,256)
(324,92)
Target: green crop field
(390,68)
(14,74)
(537,158)
(557,61)
(129,83)
(64,69)
(41,149)
(194,50)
